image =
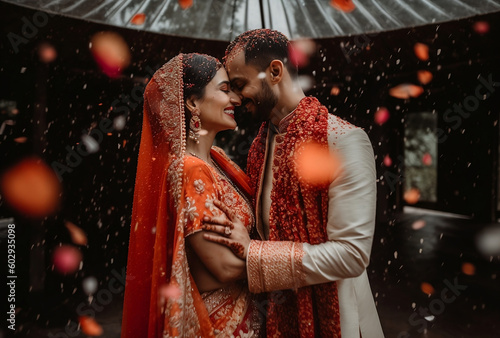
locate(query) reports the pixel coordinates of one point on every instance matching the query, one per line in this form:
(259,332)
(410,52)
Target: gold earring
(195,125)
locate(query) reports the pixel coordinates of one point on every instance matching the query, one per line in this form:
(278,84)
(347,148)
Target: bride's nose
(235,99)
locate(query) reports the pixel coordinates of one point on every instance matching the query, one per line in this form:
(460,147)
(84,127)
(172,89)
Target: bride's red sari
(172,193)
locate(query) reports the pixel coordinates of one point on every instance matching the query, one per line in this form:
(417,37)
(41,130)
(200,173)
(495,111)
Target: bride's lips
(229,111)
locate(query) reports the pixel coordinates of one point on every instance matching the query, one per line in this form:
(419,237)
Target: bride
(178,283)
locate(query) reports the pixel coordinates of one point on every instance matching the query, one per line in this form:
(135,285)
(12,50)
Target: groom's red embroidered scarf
(299,213)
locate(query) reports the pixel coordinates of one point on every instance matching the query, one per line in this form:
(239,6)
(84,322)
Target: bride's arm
(217,259)
(212,261)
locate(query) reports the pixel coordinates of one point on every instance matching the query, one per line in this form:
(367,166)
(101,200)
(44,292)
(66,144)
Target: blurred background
(426,91)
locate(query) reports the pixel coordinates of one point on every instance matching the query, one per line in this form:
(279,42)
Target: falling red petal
(424,76)
(47,53)
(111,53)
(21,139)
(78,236)
(315,164)
(427,288)
(138,19)
(297,57)
(427,159)
(381,116)
(419,224)
(170,291)
(468,269)
(412,196)
(66,259)
(387,161)
(406,91)
(185,4)
(346,6)
(90,327)
(421,51)
(481,27)
(335,91)
(31,187)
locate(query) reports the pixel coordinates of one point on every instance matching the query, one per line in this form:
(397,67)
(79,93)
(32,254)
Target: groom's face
(252,86)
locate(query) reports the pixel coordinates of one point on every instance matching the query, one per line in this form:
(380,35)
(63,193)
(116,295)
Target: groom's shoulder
(338,125)
(340,130)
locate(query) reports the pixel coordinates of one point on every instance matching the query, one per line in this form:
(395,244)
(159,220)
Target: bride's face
(217,105)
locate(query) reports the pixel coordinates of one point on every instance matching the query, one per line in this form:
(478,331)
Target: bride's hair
(197,71)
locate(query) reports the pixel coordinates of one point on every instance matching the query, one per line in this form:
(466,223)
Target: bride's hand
(227,230)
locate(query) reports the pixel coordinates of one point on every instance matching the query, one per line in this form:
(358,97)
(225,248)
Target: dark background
(57,102)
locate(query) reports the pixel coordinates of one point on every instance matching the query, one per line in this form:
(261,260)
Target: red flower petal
(31,187)
(66,259)
(424,76)
(343,5)
(185,4)
(421,51)
(405,91)
(381,116)
(138,19)
(89,326)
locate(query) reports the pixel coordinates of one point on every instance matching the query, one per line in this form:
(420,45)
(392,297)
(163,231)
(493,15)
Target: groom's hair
(262,46)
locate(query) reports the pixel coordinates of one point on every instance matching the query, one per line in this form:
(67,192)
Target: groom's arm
(351,222)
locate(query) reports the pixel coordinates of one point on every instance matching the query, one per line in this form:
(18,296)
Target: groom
(316,235)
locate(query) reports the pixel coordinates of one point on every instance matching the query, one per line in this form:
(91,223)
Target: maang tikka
(195,125)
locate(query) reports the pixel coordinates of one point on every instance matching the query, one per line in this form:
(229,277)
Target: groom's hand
(227,230)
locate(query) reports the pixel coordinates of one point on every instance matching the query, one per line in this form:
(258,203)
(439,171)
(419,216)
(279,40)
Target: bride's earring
(195,125)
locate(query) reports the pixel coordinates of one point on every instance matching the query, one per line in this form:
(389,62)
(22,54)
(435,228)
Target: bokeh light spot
(90,327)
(315,164)
(111,53)
(381,115)
(406,91)
(78,236)
(418,224)
(32,188)
(424,76)
(66,259)
(387,161)
(468,269)
(427,288)
(421,51)
(412,196)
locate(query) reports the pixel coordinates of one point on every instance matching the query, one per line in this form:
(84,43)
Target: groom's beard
(264,103)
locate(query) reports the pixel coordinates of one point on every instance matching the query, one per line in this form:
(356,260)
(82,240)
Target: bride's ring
(227,231)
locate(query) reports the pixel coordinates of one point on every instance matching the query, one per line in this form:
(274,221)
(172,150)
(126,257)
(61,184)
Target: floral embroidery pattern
(229,200)
(199,186)
(191,209)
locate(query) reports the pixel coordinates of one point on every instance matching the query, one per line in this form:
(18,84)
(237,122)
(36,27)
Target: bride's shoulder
(191,162)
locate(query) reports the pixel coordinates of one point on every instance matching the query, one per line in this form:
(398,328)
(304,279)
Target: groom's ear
(276,69)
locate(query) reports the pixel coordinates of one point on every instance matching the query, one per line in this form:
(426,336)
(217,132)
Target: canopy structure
(224,19)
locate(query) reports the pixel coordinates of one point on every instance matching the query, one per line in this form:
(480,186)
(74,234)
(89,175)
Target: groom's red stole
(299,213)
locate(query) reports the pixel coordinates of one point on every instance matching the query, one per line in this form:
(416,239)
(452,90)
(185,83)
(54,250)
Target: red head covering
(156,249)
